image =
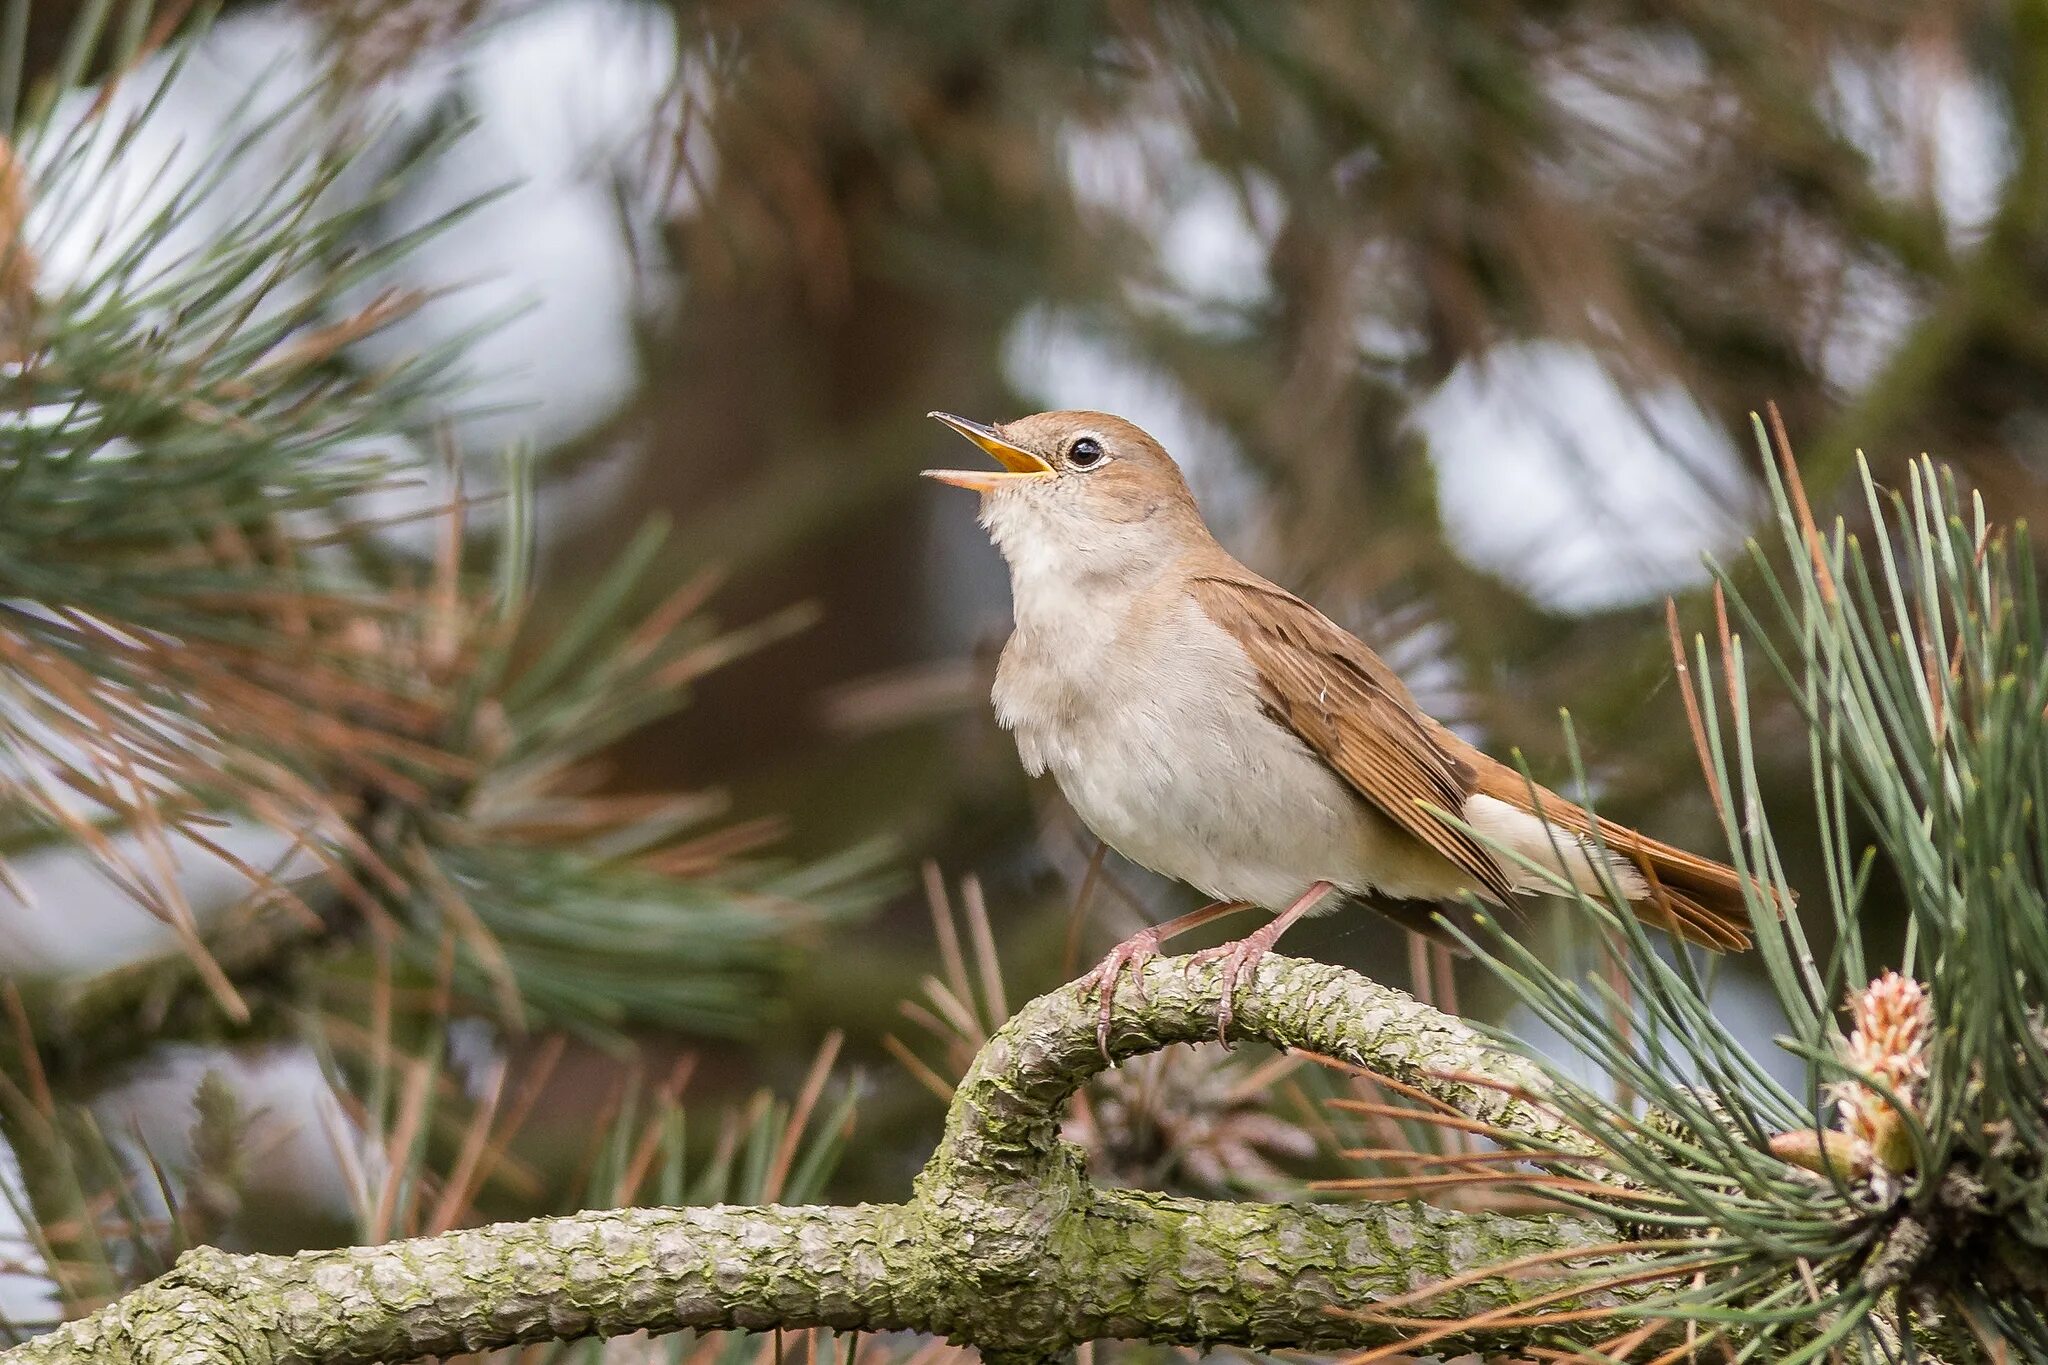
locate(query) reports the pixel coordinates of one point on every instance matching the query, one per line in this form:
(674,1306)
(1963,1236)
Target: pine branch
(1004,1244)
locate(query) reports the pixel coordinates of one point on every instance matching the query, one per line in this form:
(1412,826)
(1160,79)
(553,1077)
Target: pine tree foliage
(207,627)
(204,625)
(1890,1207)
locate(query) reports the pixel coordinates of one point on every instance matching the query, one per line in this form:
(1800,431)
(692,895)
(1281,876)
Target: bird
(1219,730)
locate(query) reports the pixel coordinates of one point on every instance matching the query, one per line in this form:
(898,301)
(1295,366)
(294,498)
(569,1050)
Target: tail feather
(1696,898)
(1716,918)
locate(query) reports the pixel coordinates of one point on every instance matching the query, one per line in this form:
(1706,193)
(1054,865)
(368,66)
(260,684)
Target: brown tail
(1695,898)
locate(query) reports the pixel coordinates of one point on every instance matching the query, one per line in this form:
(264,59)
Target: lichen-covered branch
(1004,1244)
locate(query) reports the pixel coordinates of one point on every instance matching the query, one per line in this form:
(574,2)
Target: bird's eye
(1085,453)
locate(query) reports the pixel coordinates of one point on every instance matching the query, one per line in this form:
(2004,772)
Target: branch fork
(1005,1244)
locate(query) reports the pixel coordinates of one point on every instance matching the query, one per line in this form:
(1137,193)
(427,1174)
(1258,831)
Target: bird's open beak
(1018,463)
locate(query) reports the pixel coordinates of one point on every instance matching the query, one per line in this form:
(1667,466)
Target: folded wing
(1348,707)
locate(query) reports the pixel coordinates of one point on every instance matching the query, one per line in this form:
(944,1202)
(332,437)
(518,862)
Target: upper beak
(1017,461)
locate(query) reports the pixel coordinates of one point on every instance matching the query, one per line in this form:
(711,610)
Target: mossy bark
(1004,1244)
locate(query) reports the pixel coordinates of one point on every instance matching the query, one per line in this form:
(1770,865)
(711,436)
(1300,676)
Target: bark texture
(1004,1243)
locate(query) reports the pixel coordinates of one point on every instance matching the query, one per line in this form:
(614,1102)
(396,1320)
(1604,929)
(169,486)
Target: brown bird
(1219,730)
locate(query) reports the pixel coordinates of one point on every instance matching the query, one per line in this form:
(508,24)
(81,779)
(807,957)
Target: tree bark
(1004,1244)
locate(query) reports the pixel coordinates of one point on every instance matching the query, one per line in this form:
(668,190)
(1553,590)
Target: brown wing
(1348,707)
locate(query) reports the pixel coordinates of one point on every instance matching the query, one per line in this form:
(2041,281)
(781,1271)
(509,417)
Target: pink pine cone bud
(1891,1023)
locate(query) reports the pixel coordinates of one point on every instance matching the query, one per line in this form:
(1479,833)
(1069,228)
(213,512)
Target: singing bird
(1219,730)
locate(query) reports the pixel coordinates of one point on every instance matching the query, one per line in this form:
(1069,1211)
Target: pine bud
(1891,1025)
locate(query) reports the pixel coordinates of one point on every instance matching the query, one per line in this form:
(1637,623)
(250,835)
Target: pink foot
(1129,956)
(1240,959)
(1133,953)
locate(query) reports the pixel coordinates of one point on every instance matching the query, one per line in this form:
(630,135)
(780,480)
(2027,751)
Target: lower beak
(1019,465)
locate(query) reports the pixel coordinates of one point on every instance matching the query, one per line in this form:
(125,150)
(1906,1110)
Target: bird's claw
(1130,956)
(1239,959)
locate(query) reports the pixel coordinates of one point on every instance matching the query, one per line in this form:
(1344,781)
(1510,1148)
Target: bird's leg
(1242,957)
(1134,952)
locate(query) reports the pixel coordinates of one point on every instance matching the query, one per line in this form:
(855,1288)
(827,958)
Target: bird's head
(1078,493)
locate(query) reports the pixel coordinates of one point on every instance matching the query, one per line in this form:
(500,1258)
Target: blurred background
(1455,314)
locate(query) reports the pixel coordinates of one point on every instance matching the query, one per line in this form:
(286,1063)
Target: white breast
(1148,715)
